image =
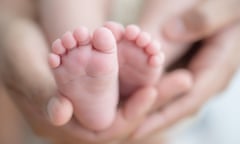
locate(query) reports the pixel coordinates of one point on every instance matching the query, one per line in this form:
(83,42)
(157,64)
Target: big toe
(104,41)
(116,28)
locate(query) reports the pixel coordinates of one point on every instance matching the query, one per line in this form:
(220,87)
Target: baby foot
(86,72)
(140,58)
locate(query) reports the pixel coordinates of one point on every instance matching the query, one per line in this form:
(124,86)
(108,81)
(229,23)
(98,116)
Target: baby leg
(86,71)
(140,58)
(58,17)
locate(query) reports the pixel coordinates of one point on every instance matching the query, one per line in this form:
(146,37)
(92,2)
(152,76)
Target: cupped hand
(129,116)
(212,69)
(27,78)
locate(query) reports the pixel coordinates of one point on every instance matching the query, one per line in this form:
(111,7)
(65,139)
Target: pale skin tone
(134,110)
(86,69)
(71,15)
(11,124)
(172,112)
(33,103)
(127,116)
(217,54)
(139,56)
(75,13)
(205,67)
(135,71)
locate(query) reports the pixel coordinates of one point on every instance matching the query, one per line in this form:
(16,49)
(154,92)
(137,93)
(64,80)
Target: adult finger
(135,110)
(154,16)
(173,85)
(204,19)
(128,117)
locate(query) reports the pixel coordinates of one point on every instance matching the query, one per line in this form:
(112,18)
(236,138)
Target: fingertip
(184,79)
(190,26)
(149,93)
(140,103)
(59,110)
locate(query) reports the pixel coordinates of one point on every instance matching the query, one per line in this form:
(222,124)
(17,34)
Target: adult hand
(26,76)
(129,116)
(212,69)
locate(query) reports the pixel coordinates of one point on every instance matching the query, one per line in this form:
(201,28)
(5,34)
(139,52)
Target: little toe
(54,60)
(132,32)
(68,40)
(58,48)
(104,41)
(116,28)
(156,60)
(153,48)
(143,39)
(81,34)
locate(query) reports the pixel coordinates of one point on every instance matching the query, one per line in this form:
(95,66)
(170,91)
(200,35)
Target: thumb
(26,76)
(59,110)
